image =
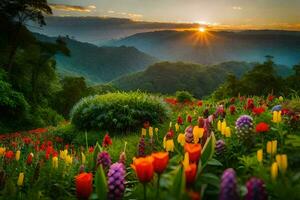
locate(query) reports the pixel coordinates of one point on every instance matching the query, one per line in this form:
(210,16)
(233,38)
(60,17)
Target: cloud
(237,8)
(72,8)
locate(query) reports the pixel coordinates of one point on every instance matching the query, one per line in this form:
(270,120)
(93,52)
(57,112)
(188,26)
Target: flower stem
(157,192)
(145,191)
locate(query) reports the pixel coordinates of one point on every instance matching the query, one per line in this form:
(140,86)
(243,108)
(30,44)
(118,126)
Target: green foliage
(118,111)
(183,96)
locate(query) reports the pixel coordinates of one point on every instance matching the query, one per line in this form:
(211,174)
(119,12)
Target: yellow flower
(151,131)
(272,147)
(2,151)
(83,158)
(63,154)
(219,125)
(156,130)
(277,116)
(170,125)
(282,162)
(144,132)
(223,127)
(181,139)
(227,132)
(280,98)
(18,153)
(274,170)
(164,142)
(55,162)
(197,133)
(20,179)
(69,160)
(186,160)
(260,155)
(176,127)
(169,145)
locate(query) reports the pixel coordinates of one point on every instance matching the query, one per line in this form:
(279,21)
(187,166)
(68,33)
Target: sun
(201,29)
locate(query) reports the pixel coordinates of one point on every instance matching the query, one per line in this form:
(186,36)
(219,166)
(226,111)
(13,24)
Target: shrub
(118,111)
(183,96)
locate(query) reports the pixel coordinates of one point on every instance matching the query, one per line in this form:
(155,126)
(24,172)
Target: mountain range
(215,47)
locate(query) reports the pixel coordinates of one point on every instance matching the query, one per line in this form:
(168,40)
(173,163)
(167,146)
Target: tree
(16,13)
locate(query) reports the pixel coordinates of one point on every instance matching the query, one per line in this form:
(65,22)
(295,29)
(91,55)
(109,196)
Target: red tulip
(29,159)
(160,161)
(199,103)
(189,119)
(84,185)
(194,151)
(179,120)
(9,154)
(258,110)
(190,173)
(143,168)
(262,127)
(106,141)
(232,109)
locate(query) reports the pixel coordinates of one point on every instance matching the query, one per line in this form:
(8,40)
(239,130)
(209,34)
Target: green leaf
(208,150)
(178,187)
(101,183)
(214,162)
(211,179)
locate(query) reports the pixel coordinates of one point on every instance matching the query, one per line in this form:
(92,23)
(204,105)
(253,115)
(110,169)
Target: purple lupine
(244,128)
(228,189)
(104,159)
(116,181)
(256,190)
(141,147)
(189,137)
(220,147)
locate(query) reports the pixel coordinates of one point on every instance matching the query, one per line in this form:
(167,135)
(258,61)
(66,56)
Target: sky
(240,14)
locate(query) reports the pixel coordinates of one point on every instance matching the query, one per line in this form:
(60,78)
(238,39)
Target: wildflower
(199,103)
(244,127)
(259,155)
(232,100)
(282,162)
(63,154)
(2,151)
(106,141)
(116,181)
(250,104)
(179,120)
(103,158)
(160,161)
(176,127)
(69,160)
(169,145)
(272,147)
(144,132)
(277,108)
(55,162)
(151,131)
(27,140)
(91,149)
(274,170)
(9,154)
(223,127)
(197,133)
(200,122)
(258,110)
(276,116)
(190,170)
(220,147)
(232,109)
(228,189)
(84,185)
(194,151)
(141,147)
(227,132)
(143,168)
(219,125)
(181,139)
(189,137)
(189,119)
(156,131)
(83,158)
(20,179)
(280,99)
(18,153)
(262,127)
(270,97)
(256,190)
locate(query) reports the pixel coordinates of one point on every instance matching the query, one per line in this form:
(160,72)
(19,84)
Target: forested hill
(200,80)
(99,64)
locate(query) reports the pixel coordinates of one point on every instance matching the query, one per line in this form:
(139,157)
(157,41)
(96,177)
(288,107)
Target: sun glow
(201,29)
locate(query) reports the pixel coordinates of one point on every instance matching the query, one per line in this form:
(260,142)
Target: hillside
(99,64)
(215,47)
(200,80)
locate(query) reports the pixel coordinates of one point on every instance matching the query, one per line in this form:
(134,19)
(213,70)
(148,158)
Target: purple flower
(189,137)
(228,189)
(104,159)
(244,122)
(220,147)
(116,181)
(256,190)
(141,147)
(277,108)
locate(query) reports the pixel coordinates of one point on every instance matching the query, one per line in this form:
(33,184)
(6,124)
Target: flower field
(239,148)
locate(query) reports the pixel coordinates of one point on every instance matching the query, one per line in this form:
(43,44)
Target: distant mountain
(99,64)
(214,47)
(200,80)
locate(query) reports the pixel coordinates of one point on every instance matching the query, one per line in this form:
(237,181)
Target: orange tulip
(84,185)
(194,151)
(190,173)
(160,161)
(143,168)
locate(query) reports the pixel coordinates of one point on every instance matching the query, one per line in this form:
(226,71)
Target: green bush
(183,96)
(118,111)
